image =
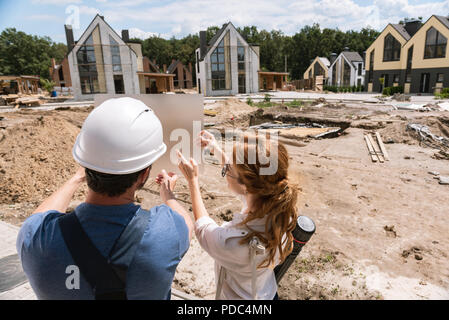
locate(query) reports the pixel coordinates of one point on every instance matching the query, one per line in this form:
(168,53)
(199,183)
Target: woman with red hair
(259,237)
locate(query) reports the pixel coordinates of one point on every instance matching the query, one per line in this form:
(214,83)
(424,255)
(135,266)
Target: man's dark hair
(111,185)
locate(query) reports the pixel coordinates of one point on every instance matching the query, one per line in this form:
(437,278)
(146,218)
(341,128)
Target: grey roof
(218,34)
(214,39)
(325,61)
(107,24)
(172,66)
(401,29)
(353,56)
(444,20)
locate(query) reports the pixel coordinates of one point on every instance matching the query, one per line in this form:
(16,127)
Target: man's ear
(145,174)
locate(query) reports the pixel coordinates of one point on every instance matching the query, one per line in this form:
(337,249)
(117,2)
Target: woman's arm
(190,171)
(60,199)
(167,182)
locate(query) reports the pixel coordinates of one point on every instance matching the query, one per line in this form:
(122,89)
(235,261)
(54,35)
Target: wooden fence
(315,84)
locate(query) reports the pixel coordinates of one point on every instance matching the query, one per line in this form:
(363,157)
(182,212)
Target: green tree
(23,54)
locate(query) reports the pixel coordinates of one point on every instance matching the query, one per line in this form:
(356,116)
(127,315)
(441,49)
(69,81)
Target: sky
(178,18)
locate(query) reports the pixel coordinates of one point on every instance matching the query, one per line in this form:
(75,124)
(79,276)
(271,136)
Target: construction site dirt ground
(381,228)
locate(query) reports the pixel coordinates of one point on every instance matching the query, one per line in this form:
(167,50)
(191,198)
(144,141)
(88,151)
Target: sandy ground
(381,227)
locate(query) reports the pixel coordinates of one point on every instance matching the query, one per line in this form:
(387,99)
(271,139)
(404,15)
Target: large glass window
(435,44)
(408,70)
(90,65)
(197,63)
(371,66)
(217,60)
(392,49)
(318,70)
(241,55)
(346,74)
(220,65)
(86,57)
(334,73)
(115,54)
(241,67)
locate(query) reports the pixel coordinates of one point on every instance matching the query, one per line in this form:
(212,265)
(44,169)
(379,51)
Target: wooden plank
(370,149)
(382,146)
(376,149)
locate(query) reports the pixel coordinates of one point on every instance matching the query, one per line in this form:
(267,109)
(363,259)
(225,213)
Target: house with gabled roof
(101,61)
(347,70)
(383,56)
(412,55)
(425,58)
(183,74)
(318,67)
(227,65)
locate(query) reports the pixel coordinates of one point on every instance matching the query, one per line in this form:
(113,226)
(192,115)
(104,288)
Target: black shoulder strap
(105,284)
(107,277)
(125,247)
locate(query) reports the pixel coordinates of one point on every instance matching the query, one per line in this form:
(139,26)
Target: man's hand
(79,176)
(167,182)
(60,199)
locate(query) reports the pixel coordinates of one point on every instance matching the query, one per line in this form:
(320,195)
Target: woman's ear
(245,190)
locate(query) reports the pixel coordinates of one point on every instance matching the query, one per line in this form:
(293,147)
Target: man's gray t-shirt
(45,256)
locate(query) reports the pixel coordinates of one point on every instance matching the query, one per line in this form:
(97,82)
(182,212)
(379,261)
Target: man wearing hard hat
(108,247)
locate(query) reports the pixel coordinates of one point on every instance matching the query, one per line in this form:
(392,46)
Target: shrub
(389,91)
(330,88)
(47,85)
(249,101)
(295,103)
(444,94)
(267,98)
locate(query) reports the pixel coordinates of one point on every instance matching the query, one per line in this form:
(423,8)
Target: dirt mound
(231,111)
(35,158)
(397,132)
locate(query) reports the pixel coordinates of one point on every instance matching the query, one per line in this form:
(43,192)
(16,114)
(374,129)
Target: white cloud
(138,33)
(89,10)
(44,17)
(56,2)
(179,18)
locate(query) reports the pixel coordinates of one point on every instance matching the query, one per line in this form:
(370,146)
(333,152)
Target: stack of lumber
(377,150)
(10,98)
(27,101)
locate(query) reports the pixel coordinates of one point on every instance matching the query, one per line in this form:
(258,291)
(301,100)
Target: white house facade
(228,65)
(348,69)
(101,62)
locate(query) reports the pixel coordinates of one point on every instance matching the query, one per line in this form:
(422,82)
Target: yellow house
(383,58)
(412,55)
(318,67)
(425,58)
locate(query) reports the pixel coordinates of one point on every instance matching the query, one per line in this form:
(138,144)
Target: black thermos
(305,227)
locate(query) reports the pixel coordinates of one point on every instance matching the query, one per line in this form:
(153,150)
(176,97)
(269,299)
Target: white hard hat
(120,136)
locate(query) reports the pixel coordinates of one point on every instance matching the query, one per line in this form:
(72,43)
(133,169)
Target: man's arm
(60,199)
